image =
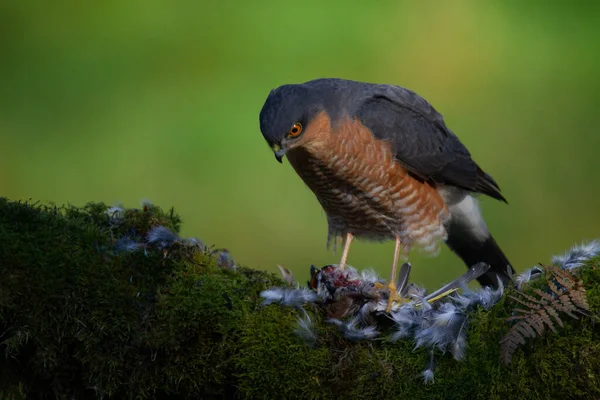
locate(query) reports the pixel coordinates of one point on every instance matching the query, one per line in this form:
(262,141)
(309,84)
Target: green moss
(78,320)
(272,363)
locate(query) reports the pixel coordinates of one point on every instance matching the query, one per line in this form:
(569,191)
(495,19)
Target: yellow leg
(394,296)
(347,242)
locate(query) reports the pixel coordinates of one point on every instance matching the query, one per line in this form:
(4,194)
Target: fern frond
(566,305)
(518,316)
(565,294)
(580,300)
(537,322)
(552,312)
(534,304)
(575,288)
(525,329)
(509,346)
(544,295)
(563,277)
(553,287)
(545,317)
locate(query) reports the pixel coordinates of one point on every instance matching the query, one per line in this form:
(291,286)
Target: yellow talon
(392,287)
(394,296)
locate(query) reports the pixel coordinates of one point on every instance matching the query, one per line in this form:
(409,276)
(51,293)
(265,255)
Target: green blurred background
(119,101)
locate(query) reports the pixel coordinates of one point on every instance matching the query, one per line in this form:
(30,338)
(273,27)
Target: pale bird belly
(364,191)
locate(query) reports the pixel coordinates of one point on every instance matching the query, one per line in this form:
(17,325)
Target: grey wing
(421,141)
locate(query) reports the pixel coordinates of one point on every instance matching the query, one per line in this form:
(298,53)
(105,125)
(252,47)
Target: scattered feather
(438,321)
(458,347)
(305,330)
(127,245)
(472,273)
(366,311)
(485,297)
(352,332)
(527,276)
(427,376)
(428,372)
(415,291)
(402,281)
(115,214)
(193,242)
(225,259)
(573,258)
(578,255)
(349,273)
(287,275)
(288,297)
(369,276)
(447,314)
(445,331)
(407,320)
(162,237)
(421,301)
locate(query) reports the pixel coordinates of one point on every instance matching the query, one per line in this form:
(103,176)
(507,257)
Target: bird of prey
(384,166)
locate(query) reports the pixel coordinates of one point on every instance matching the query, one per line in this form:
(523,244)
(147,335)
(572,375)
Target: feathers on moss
(127,245)
(162,237)
(306,330)
(570,260)
(352,331)
(527,276)
(578,255)
(146,203)
(442,325)
(194,242)
(115,214)
(224,259)
(438,320)
(295,298)
(485,297)
(447,314)
(428,376)
(407,319)
(427,373)
(366,312)
(287,275)
(445,330)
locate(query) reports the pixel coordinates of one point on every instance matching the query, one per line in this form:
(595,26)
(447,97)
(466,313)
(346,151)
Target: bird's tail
(469,238)
(488,251)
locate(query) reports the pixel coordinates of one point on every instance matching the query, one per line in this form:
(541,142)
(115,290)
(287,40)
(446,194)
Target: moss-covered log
(82,315)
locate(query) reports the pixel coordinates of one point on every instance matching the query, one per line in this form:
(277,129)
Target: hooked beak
(279,152)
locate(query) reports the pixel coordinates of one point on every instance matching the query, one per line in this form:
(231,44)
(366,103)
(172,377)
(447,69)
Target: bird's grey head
(286,113)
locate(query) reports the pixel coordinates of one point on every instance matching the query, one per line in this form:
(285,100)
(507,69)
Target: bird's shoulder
(399,99)
(420,139)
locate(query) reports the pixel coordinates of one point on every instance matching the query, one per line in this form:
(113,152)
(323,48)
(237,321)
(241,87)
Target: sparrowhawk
(384,165)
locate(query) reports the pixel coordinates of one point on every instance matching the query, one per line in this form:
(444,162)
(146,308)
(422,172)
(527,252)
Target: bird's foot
(394,297)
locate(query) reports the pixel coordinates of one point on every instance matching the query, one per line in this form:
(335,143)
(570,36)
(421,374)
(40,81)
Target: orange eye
(296,130)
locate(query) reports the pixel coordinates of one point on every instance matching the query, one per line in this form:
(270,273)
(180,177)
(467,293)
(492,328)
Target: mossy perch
(79,320)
